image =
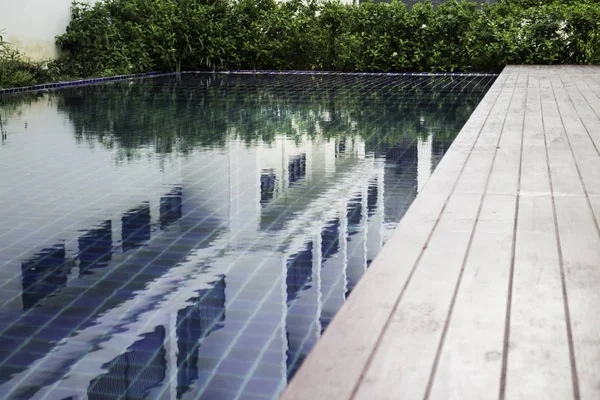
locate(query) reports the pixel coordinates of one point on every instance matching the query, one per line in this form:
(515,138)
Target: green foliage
(17,70)
(132,36)
(129,36)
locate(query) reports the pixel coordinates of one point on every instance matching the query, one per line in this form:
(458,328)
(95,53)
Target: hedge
(134,36)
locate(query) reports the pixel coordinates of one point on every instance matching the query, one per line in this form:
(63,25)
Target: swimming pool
(192,236)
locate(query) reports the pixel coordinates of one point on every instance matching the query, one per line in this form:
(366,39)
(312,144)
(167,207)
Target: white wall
(31,25)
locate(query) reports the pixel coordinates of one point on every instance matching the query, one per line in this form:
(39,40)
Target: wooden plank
(563,170)
(589,90)
(579,242)
(579,120)
(538,365)
(468,134)
(580,246)
(504,178)
(471,360)
(402,363)
(587,106)
(470,364)
(538,359)
(534,177)
(476,173)
(477,170)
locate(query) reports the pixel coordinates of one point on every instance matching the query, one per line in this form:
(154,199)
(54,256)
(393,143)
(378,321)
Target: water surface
(192,236)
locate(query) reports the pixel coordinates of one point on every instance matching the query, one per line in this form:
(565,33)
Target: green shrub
(15,70)
(132,36)
(128,36)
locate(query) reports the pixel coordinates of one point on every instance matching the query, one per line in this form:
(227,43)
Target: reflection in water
(170,207)
(43,274)
(194,323)
(267,186)
(215,224)
(95,247)
(133,373)
(297,168)
(135,227)
(299,272)
(330,239)
(354,215)
(299,277)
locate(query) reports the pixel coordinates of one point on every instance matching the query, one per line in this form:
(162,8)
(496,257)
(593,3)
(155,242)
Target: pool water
(192,236)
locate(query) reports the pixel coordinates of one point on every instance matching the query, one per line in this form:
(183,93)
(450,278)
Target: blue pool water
(192,236)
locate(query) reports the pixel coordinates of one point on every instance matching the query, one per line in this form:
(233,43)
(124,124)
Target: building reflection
(330,243)
(300,321)
(144,366)
(356,260)
(46,296)
(131,375)
(299,272)
(95,248)
(332,270)
(171,207)
(135,227)
(194,323)
(297,168)
(401,179)
(171,360)
(268,180)
(43,274)
(372,195)
(354,215)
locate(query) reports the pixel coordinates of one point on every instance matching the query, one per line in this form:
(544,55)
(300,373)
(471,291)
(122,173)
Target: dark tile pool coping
(251,72)
(80,82)
(93,81)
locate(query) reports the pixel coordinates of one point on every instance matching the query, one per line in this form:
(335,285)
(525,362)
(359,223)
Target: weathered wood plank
(576,117)
(565,178)
(538,363)
(538,358)
(580,247)
(470,364)
(402,363)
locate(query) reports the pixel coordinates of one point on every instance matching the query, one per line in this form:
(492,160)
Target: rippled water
(193,236)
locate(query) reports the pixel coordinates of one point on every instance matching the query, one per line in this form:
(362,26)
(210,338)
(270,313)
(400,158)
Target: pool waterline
(212,228)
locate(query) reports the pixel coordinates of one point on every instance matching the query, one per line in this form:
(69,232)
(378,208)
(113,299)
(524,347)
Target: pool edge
(93,81)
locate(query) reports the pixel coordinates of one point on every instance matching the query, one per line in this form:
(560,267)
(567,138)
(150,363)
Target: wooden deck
(490,286)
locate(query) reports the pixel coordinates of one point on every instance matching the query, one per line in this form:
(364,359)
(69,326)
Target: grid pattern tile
(192,236)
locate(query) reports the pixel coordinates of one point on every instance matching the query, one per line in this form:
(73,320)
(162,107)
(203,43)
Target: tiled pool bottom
(192,236)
